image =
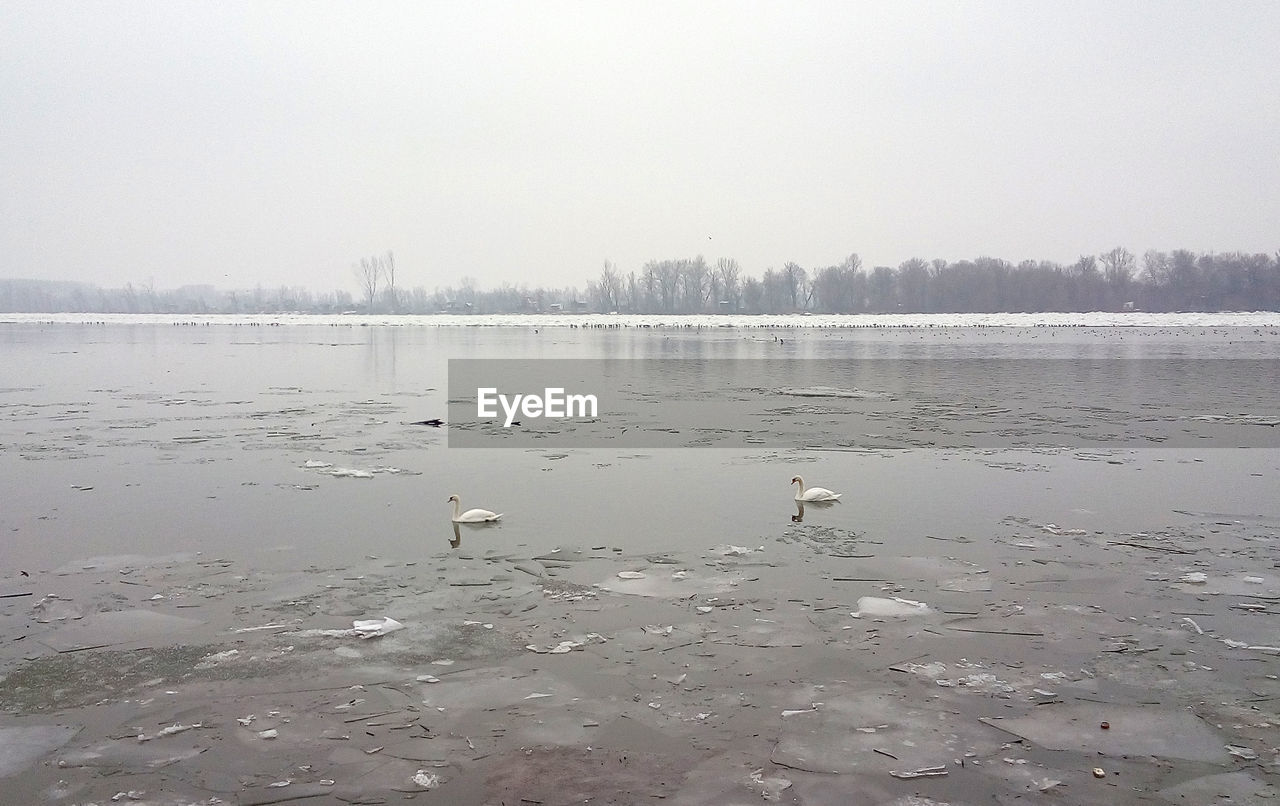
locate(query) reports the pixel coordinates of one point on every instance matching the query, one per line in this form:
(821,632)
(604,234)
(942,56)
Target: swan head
(797,480)
(453,499)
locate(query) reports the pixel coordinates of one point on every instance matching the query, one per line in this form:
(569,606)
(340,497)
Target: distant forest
(1113,281)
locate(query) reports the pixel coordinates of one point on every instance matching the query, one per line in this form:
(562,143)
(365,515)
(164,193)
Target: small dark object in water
(435,422)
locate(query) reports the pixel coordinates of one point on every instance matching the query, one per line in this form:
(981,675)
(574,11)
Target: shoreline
(1130,319)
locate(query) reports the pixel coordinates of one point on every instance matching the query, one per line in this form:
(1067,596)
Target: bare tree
(633,293)
(882,289)
(775,291)
(1117,267)
(727,270)
(828,290)
(668,277)
(650,285)
(1086,266)
(794,276)
(149,292)
(1186,269)
(368,272)
(693,284)
(753,295)
(609,288)
(1156,268)
(389,275)
(913,285)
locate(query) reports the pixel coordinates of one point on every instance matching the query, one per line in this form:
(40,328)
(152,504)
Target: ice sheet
(115,627)
(22,746)
(1238,788)
(1131,731)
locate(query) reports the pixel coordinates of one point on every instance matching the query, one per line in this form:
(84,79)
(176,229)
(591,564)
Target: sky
(277,142)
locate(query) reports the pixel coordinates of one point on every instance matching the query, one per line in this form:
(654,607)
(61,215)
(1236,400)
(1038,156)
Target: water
(176,488)
(197,439)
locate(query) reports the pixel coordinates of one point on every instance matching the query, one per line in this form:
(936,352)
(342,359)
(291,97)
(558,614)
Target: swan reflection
(459,526)
(800,505)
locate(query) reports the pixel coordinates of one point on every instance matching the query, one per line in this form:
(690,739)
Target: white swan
(813,493)
(472,515)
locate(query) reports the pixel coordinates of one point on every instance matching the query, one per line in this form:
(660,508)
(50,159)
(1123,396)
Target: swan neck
(457,505)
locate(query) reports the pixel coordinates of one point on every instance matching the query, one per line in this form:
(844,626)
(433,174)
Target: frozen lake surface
(194,515)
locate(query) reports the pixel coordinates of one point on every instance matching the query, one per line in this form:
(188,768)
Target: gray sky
(279,142)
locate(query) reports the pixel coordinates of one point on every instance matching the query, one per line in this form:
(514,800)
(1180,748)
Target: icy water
(211,505)
(198,439)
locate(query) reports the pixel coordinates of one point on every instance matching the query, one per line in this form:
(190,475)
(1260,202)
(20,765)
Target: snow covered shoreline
(813,321)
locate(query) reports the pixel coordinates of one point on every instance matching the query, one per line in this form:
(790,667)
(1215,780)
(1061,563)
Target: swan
(813,493)
(472,515)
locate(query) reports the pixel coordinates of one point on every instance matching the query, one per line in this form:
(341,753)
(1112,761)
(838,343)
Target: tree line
(1116,280)
(1112,281)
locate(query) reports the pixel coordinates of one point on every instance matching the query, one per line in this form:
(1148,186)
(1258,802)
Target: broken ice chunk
(794,711)
(771,786)
(369,628)
(1242,753)
(922,772)
(169,731)
(54,608)
(350,473)
(896,607)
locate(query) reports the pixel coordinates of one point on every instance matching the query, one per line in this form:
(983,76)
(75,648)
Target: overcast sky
(240,143)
